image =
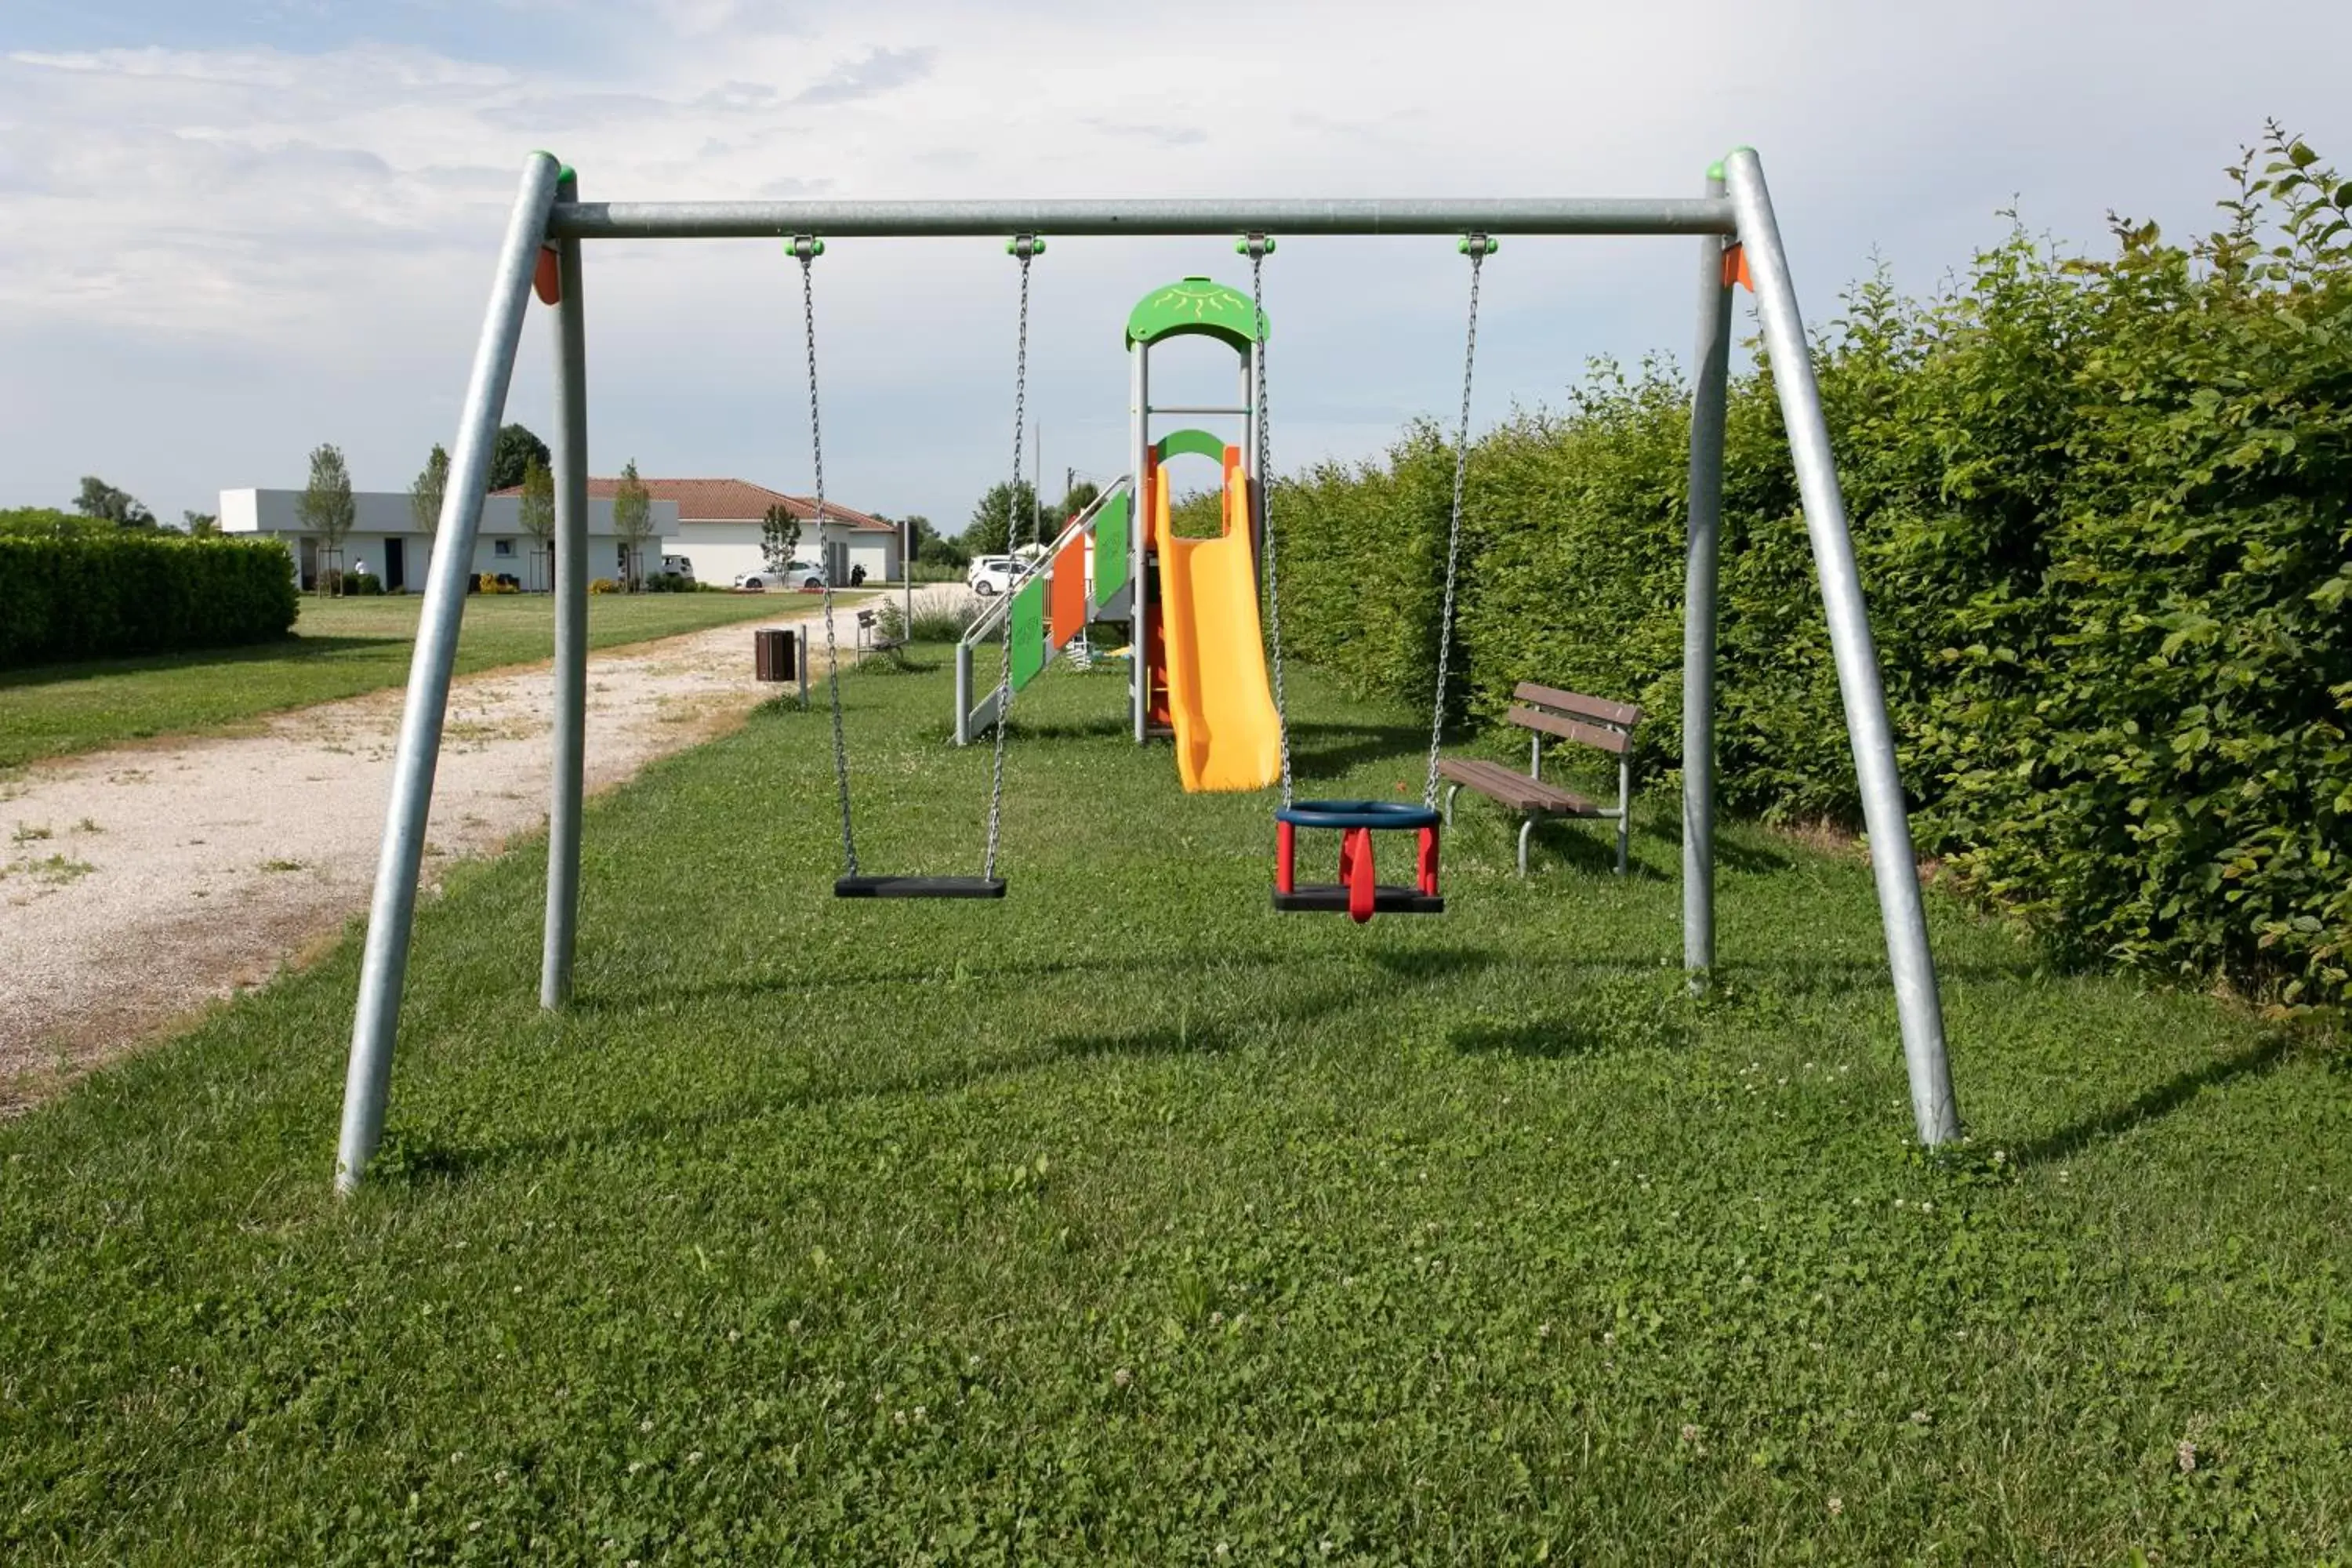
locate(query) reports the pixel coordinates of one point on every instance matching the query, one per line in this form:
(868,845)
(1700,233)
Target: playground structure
(1191,605)
(542,250)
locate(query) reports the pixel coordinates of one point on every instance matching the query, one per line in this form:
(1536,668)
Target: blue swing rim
(1374,814)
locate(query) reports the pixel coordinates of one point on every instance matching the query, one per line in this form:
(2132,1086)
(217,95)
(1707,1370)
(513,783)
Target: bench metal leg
(1624,834)
(1450,791)
(1526,829)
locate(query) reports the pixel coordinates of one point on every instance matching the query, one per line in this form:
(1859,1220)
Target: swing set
(1739,244)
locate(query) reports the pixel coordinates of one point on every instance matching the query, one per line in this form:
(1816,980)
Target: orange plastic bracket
(1735,268)
(547,277)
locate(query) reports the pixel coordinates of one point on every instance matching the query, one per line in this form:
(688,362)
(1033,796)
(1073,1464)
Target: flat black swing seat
(919,888)
(1331,899)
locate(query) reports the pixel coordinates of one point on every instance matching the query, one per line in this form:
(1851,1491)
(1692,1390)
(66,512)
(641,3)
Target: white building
(719,528)
(386,542)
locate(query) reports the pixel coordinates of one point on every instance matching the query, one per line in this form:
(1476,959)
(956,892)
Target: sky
(239,228)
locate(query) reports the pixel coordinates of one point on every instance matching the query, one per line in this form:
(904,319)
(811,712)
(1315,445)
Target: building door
(306,567)
(395,565)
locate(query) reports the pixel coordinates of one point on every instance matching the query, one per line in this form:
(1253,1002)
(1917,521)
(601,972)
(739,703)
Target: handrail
(985,622)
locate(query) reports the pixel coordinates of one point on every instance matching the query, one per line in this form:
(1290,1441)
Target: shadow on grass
(417,1159)
(2161,1101)
(284,650)
(1332,751)
(1416,965)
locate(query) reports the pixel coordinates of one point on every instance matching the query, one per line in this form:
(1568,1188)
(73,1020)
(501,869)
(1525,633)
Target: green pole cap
(1715,171)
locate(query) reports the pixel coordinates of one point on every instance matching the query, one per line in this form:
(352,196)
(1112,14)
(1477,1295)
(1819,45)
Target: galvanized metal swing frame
(1732,217)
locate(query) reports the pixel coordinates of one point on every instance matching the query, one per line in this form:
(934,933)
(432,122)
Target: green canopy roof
(1194,305)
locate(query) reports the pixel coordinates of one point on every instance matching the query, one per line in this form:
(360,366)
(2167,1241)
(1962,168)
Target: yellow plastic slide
(1227,736)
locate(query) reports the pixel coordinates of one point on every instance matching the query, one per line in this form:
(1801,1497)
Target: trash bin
(775,654)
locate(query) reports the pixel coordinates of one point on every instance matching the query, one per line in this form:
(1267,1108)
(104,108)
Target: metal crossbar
(994,220)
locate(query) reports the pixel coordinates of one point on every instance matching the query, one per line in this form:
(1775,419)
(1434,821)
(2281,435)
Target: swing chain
(1477,246)
(806,248)
(1024,247)
(1259,247)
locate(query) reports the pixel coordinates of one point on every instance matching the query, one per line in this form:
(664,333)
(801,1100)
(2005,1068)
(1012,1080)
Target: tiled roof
(735,500)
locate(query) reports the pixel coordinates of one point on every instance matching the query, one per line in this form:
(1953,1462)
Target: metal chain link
(1259,245)
(808,248)
(1475,247)
(1024,247)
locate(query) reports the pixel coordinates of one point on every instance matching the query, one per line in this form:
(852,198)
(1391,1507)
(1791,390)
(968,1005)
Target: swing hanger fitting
(806,247)
(1025,246)
(1477,244)
(1254,245)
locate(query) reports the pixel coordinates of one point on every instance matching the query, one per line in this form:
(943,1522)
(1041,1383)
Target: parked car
(678,566)
(805,575)
(990,575)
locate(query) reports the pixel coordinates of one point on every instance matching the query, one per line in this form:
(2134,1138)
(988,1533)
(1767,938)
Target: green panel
(1196,306)
(1027,628)
(1111,533)
(1198,442)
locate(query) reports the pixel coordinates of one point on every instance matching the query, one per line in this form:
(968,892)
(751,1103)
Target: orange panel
(1067,599)
(1735,268)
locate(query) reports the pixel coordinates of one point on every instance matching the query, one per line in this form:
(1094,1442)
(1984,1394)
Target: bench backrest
(1572,716)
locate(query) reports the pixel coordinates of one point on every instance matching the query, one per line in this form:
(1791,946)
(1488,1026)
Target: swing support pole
(1736,208)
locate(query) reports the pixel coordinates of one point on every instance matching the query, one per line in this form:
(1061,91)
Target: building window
(502,548)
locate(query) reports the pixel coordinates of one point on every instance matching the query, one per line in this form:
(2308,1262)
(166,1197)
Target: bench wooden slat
(1616,740)
(1624,716)
(1515,789)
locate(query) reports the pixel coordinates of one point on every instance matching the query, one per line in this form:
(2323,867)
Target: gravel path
(138,885)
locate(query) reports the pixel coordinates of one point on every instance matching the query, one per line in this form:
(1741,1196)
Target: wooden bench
(868,637)
(1567,716)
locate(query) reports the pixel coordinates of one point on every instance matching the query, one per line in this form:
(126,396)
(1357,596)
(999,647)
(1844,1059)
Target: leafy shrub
(938,623)
(40,522)
(2103,514)
(351,584)
(80,593)
(501,582)
(604,585)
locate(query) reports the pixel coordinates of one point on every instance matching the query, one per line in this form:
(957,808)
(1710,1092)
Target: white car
(990,575)
(805,575)
(678,566)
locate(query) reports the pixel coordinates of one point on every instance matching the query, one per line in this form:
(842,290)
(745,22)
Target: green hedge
(2103,512)
(89,593)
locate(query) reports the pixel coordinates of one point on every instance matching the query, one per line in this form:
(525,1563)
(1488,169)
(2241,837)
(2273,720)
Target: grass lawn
(1127,1220)
(341,647)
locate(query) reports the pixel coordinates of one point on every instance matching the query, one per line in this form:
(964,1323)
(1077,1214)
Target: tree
(780,537)
(512,452)
(107,504)
(1083,494)
(537,508)
(200,525)
(990,529)
(937,550)
(632,517)
(424,495)
(327,510)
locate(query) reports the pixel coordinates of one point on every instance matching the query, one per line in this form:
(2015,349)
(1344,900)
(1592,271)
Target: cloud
(1163,135)
(872,74)
(219,257)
